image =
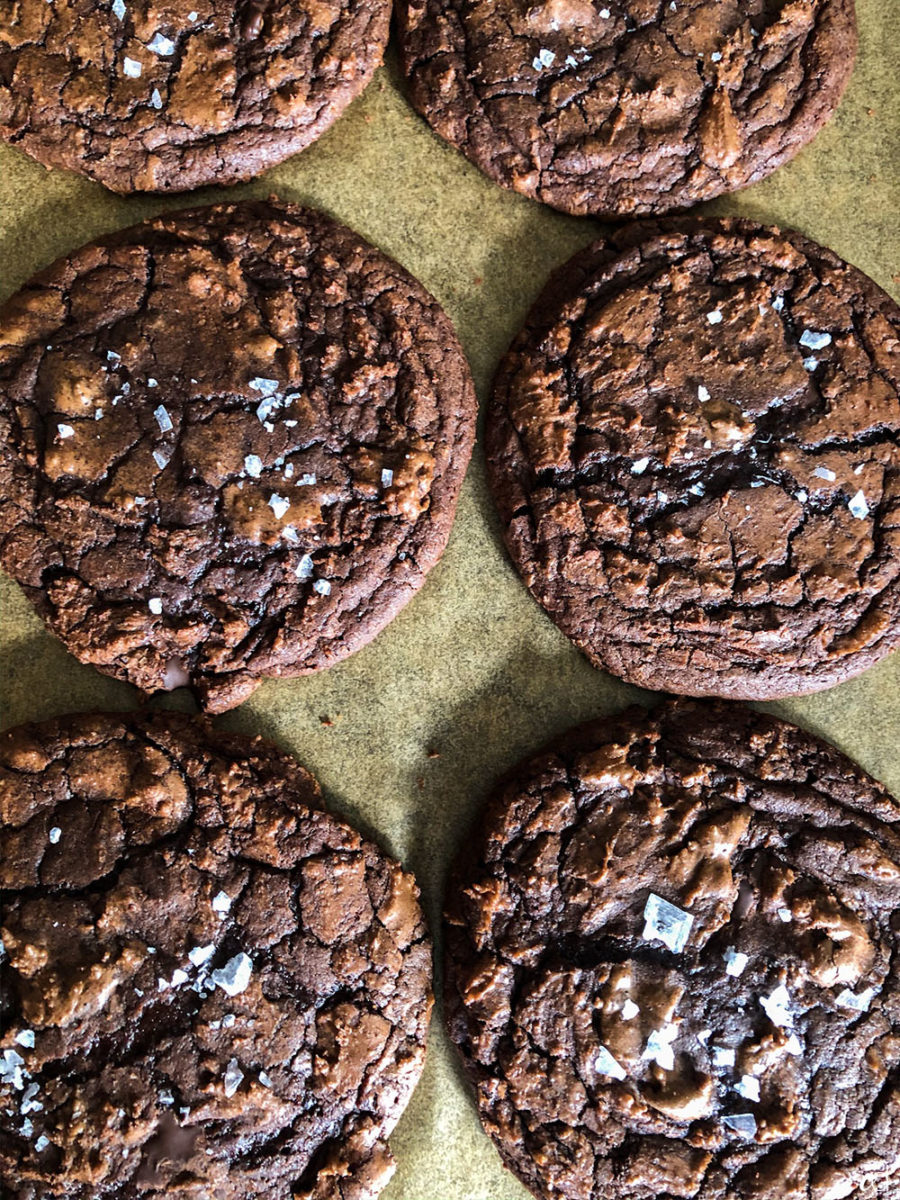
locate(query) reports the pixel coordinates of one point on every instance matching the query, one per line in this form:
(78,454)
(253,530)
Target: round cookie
(594,106)
(671,964)
(210,986)
(694,445)
(148,98)
(232,443)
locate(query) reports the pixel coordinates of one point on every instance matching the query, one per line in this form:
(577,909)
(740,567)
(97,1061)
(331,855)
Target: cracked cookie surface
(168,97)
(694,446)
(672,953)
(608,108)
(211,987)
(233,440)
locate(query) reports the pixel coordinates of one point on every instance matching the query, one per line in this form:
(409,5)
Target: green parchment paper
(472,669)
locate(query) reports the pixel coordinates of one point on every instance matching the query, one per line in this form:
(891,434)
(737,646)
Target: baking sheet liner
(407,735)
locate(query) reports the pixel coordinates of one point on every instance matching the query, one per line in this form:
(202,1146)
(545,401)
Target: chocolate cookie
(694,445)
(610,108)
(210,986)
(170,98)
(232,442)
(672,964)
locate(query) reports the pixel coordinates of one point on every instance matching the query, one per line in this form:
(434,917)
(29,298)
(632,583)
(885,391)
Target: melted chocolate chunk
(694,445)
(672,964)
(209,986)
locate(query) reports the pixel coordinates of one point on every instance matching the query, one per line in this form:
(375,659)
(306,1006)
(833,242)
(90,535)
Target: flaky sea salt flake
(304,568)
(659,1047)
(742,1123)
(777,1007)
(814,339)
(607,1065)
(858,506)
(858,1003)
(201,954)
(234,977)
(161,45)
(735,962)
(11,1069)
(233,1077)
(279,505)
(666,923)
(748,1087)
(266,387)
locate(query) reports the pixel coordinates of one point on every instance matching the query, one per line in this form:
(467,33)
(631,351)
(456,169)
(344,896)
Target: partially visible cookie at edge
(671,963)
(168,98)
(210,986)
(694,446)
(233,440)
(620,109)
